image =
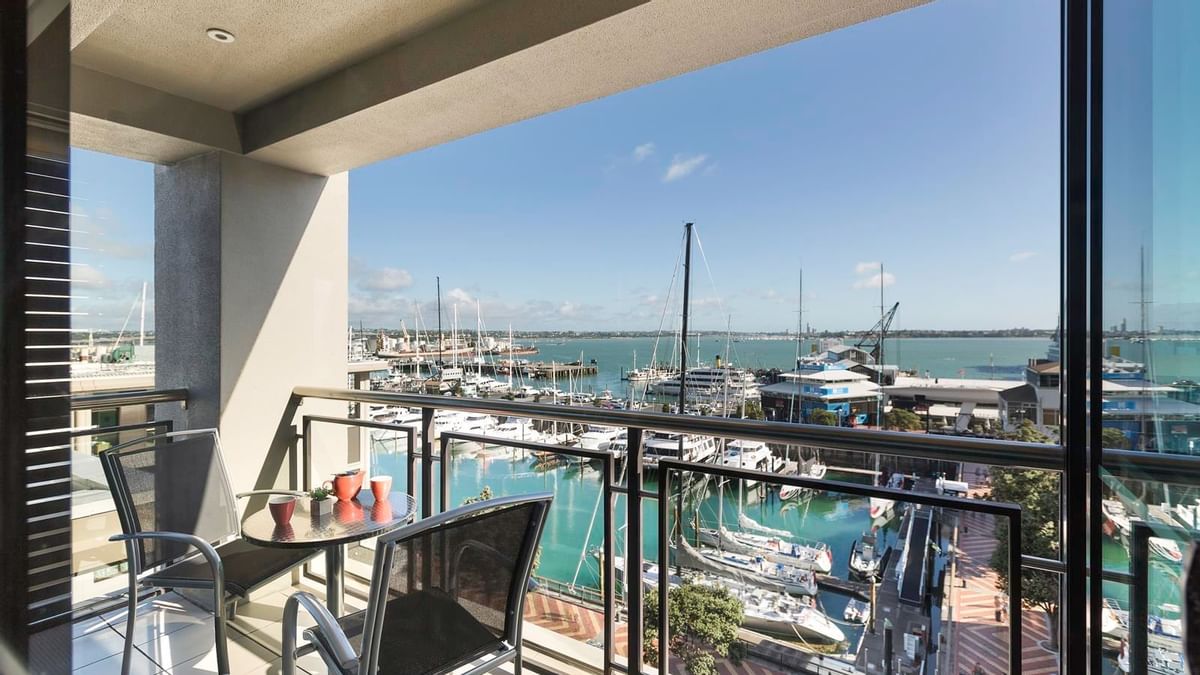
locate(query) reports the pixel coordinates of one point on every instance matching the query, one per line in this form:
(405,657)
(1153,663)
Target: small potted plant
(321,503)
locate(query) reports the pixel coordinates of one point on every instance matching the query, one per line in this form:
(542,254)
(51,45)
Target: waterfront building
(852,396)
(965,404)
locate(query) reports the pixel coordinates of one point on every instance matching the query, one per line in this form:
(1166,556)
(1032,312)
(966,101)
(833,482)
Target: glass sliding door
(1149,379)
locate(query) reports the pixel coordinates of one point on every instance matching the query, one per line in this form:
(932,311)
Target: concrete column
(251,274)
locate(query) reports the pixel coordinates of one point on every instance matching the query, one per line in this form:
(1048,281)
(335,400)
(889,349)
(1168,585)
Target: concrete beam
(116,116)
(485,35)
(646,43)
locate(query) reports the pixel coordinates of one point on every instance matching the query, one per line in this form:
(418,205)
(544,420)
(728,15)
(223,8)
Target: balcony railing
(96,563)
(633,488)
(430,464)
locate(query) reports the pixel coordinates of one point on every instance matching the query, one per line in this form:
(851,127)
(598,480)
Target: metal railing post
(1139,600)
(633,547)
(664,570)
(426,462)
(1014,593)
(609,566)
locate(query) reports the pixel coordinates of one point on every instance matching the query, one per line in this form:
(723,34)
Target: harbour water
(574,529)
(996,358)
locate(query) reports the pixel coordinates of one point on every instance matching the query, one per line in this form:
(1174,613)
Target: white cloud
(568,309)
(386,279)
(865,268)
(1021,256)
(643,151)
(682,165)
(460,296)
(873,281)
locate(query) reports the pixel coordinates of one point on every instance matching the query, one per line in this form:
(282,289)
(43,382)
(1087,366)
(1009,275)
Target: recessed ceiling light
(220,35)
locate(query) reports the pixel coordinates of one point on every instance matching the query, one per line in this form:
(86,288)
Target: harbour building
(850,395)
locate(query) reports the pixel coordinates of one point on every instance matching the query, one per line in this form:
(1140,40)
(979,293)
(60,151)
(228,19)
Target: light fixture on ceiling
(220,35)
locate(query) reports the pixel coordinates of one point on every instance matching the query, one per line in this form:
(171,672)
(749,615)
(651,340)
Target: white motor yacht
(694,448)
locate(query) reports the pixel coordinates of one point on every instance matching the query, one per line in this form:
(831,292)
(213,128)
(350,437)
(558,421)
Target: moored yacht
(694,448)
(704,383)
(781,615)
(864,557)
(806,555)
(599,437)
(752,455)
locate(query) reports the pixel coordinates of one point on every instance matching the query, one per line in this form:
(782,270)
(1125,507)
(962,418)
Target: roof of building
(791,388)
(933,383)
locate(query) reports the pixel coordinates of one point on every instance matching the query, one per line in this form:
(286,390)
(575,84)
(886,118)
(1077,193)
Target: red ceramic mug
(380,487)
(282,507)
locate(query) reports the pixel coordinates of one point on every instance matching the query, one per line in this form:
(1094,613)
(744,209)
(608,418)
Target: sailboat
(764,611)
(809,555)
(752,569)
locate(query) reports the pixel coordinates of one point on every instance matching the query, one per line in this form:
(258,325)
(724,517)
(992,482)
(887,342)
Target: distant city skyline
(927,140)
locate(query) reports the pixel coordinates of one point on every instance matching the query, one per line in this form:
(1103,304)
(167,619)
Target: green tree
(1037,493)
(484,495)
(824,417)
(1027,432)
(905,420)
(751,410)
(1114,438)
(703,620)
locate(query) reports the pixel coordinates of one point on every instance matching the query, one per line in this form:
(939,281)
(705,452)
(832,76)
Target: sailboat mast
(439,305)
(683,336)
(142,328)
(879,362)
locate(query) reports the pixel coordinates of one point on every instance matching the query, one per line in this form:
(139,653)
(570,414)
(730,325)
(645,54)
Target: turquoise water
(574,529)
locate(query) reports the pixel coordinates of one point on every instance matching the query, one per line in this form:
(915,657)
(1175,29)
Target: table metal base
(335,583)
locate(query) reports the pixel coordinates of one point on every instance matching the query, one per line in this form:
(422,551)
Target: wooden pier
(540,370)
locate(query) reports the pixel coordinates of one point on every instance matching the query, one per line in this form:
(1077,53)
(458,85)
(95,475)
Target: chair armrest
(290,493)
(326,623)
(206,549)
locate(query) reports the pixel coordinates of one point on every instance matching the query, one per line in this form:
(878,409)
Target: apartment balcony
(935,588)
(836,550)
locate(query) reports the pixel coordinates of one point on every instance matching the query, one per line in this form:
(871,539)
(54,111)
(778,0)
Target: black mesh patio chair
(446,593)
(179,522)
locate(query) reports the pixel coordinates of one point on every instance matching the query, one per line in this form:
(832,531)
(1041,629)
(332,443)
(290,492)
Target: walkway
(977,636)
(587,625)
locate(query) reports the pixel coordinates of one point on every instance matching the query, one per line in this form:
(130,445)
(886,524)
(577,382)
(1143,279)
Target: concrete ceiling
(280,45)
(325,87)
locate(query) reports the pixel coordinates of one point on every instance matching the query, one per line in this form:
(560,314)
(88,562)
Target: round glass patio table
(355,520)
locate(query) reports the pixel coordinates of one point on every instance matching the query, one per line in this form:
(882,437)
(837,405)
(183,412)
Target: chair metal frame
(342,652)
(126,513)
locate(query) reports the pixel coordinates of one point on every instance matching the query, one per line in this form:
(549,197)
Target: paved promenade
(977,637)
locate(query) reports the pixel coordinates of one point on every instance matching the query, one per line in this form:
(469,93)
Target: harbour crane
(872,340)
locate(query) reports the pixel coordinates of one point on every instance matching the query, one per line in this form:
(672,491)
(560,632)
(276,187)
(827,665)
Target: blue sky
(928,140)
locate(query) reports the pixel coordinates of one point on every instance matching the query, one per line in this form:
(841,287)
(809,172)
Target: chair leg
(130,621)
(517,662)
(219,629)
